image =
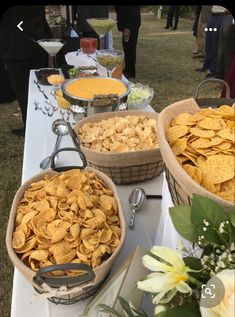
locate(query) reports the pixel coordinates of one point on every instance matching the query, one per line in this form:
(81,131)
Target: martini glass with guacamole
(101,26)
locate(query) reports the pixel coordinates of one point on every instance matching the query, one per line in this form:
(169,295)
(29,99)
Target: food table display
(39,142)
(147,231)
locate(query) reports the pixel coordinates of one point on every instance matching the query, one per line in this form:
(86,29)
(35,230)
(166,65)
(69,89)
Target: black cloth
(19,77)
(129,17)
(16,44)
(7,93)
(19,52)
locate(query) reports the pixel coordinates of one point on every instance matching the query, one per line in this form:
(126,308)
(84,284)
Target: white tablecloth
(39,143)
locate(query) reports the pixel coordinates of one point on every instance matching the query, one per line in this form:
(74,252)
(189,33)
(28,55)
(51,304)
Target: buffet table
(39,143)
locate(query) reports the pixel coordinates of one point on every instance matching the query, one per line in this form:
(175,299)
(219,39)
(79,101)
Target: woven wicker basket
(127,167)
(73,292)
(181,185)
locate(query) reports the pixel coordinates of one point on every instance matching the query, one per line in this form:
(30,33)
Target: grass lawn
(163,61)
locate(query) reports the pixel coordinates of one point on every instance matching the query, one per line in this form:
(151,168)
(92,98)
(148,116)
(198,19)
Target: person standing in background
(229,77)
(173,12)
(212,40)
(128,22)
(20,53)
(195,28)
(201,34)
(226,44)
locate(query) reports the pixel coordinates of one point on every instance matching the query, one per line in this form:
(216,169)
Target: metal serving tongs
(76,143)
(74,137)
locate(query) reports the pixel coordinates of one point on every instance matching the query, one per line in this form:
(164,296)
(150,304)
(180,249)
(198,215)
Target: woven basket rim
(132,153)
(27,271)
(174,167)
(100,158)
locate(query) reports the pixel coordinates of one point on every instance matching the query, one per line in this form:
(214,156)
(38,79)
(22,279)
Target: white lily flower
(158,309)
(171,274)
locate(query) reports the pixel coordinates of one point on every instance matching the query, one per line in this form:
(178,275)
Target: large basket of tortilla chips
(197,146)
(126,148)
(65,232)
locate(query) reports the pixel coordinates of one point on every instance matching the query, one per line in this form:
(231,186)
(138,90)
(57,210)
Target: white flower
(169,277)
(158,309)
(226,307)
(206,223)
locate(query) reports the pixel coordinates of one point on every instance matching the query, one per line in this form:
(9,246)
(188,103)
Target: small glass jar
(88,45)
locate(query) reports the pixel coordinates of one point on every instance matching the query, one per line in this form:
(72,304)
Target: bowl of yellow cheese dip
(96,94)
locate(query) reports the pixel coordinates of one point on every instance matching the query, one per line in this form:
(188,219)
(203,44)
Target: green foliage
(189,221)
(11,154)
(185,310)
(130,311)
(232,218)
(193,263)
(206,208)
(181,218)
(107,309)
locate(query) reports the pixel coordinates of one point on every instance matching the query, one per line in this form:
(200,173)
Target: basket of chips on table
(65,231)
(197,146)
(122,144)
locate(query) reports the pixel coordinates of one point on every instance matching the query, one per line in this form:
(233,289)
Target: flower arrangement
(192,283)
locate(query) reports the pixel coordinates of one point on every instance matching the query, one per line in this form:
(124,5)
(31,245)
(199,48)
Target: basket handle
(215,80)
(65,168)
(58,281)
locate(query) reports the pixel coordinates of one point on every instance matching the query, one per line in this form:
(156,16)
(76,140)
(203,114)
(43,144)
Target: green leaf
(109,310)
(186,310)
(206,208)
(211,236)
(140,313)
(126,306)
(232,217)
(193,263)
(181,218)
(233,234)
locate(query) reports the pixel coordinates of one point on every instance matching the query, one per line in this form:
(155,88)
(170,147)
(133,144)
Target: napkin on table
(80,59)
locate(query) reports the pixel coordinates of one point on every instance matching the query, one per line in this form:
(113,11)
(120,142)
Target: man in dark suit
(19,52)
(128,22)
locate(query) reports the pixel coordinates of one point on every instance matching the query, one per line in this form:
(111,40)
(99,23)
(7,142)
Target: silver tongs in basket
(74,137)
